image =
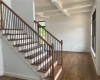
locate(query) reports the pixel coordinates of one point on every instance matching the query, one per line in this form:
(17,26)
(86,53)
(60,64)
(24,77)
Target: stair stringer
(21,56)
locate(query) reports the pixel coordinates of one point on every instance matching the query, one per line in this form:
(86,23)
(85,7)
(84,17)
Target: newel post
(52,47)
(61,52)
(1,14)
(0,1)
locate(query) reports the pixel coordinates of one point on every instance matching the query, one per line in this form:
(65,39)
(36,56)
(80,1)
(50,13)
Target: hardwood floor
(76,66)
(98,77)
(9,78)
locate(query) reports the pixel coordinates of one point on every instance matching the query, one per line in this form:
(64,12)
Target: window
(94,31)
(42,23)
(41,30)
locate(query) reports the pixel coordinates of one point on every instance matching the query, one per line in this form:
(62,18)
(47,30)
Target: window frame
(42,21)
(94,31)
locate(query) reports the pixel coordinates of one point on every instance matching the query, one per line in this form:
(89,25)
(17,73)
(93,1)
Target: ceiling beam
(58,4)
(46,9)
(64,9)
(70,11)
(80,12)
(41,15)
(52,13)
(55,15)
(78,5)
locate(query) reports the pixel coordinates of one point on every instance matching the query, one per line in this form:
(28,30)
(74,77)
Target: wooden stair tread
(45,68)
(38,62)
(18,39)
(15,34)
(34,55)
(12,29)
(56,70)
(29,49)
(18,45)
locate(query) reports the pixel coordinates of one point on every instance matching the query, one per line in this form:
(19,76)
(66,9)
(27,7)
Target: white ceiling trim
(80,12)
(78,5)
(58,8)
(53,12)
(42,15)
(58,4)
(78,9)
(46,9)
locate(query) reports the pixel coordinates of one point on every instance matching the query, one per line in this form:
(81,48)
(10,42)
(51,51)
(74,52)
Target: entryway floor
(76,66)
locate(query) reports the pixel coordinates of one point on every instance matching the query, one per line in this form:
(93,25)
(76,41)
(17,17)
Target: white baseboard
(21,76)
(77,51)
(1,73)
(93,53)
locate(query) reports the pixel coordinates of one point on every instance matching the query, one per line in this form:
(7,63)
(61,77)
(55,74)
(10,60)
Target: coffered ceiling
(49,8)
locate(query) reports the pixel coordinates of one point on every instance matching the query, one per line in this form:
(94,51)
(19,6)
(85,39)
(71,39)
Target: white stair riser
(44,63)
(13,31)
(39,57)
(49,70)
(41,65)
(46,60)
(56,77)
(17,36)
(28,46)
(32,52)
(22,41)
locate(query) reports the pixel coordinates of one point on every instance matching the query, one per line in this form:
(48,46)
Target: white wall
(93,54)
(33,10)
(1,58)
(98,37)
(73,30)
(14,65)
(8,2)
(25,9)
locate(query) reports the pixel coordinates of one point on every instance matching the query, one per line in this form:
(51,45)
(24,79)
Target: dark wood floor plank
(98,77)
(9,78)
(78,66)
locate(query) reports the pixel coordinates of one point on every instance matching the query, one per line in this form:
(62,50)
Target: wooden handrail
(47,31)
(27,24)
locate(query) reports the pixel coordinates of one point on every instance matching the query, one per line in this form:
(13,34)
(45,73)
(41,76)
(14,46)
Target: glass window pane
(42,23)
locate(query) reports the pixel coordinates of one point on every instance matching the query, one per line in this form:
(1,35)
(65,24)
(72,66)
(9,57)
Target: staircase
(46,53)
